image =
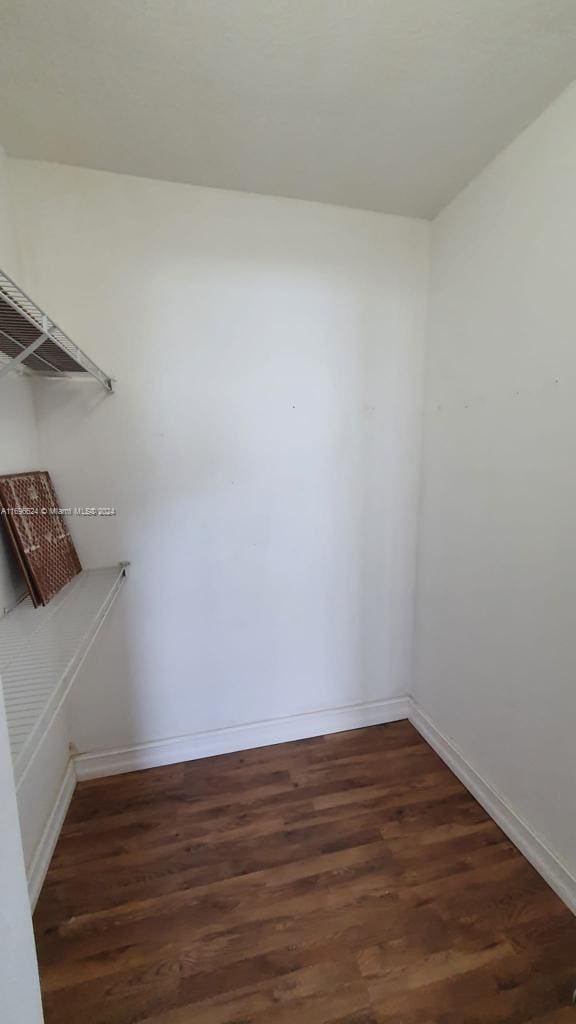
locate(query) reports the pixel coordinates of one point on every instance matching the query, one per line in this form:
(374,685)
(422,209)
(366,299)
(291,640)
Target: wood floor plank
(346,879)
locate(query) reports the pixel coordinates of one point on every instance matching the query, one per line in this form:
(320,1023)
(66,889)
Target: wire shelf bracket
(29,340)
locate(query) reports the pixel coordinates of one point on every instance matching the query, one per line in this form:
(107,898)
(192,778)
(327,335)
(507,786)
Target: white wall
(18,434)
(19,988)
(20,451)
(262,446)
(496,634)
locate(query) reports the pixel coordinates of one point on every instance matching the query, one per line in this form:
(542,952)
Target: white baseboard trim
(36,870)
(241,737)
(104,763)
(532,846)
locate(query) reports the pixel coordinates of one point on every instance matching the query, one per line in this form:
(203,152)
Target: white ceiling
(390,105)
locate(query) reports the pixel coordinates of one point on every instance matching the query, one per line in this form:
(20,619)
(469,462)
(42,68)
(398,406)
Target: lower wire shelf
(41,650)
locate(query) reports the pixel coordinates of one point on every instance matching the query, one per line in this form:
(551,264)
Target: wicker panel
(39,534)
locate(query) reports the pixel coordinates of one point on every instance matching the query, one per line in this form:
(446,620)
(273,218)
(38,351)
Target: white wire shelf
(31,341)
(41,650)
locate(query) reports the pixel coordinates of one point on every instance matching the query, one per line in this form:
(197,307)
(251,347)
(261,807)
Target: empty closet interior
(286,449)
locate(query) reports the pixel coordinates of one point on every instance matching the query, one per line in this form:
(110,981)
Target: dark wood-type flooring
(348,879)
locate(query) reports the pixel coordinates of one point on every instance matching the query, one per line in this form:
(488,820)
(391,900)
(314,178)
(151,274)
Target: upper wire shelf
(30,339)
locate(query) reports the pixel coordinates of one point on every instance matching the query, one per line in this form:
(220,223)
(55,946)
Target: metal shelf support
(31,316)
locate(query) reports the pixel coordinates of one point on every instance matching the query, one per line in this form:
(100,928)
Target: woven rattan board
(38,533)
